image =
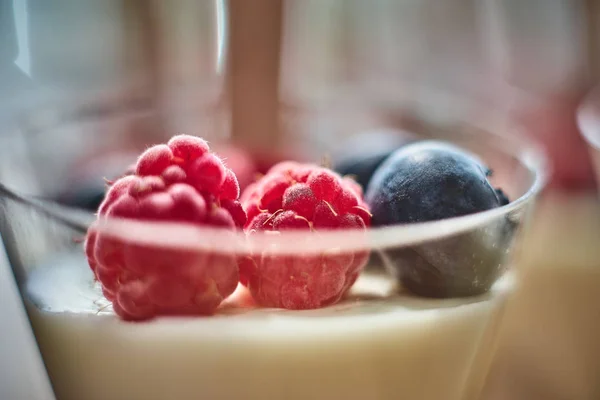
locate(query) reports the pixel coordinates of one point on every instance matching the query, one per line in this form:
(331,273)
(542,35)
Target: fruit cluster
(183,181)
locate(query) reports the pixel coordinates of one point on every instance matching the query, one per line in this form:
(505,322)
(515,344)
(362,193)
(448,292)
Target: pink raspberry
(241,163)
(302,197)
(181,181)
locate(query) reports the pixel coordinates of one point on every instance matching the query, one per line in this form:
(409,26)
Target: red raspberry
(241,163)
(181,181)
(306,197)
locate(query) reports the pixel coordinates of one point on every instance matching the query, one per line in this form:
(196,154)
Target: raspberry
(241,163)
(294,196)
(299,198)
(154,160)
(188,148)
(230,189)
(178,182)
(207,172)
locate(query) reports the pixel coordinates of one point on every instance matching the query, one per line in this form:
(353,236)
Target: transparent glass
(171,57)
(108,79)
(588,119)
(378,342)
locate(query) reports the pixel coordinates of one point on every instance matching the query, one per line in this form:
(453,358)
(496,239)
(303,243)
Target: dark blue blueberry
(362,154)
(428,181)
(502,197)
(87,186)
(87,196)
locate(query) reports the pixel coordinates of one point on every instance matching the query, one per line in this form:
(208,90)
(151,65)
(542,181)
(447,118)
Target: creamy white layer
(379,343)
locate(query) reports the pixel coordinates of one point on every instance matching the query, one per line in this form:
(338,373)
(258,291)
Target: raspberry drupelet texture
(184,182)
(294,196)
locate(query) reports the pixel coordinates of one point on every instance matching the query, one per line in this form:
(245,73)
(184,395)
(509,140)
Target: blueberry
(428,181)
(87,196)
(86,186)
(363,153)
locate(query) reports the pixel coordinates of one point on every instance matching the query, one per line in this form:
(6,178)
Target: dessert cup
(380,342)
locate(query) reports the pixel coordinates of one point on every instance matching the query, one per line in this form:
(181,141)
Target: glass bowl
(379,342)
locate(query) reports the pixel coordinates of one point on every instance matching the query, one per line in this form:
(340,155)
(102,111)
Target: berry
(293,196)
(178,182)
(207,172)
(362,154)
(241,163)
(85,187)
(428,181)
(188,148)
(299,198)
(154,160)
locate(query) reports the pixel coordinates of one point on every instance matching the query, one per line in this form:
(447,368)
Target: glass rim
(588,118)
(186,236)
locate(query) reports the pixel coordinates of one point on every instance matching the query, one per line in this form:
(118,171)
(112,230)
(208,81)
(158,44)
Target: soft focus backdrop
(265,72)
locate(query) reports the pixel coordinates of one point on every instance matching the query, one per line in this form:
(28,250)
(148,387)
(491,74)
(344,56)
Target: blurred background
(298,75)
(529,62)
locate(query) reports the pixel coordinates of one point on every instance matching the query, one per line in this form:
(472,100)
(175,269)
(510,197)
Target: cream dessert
(377,343)
(154,313)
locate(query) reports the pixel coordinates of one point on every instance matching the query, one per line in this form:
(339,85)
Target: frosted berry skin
(181,181)
(294,196)
(429,181)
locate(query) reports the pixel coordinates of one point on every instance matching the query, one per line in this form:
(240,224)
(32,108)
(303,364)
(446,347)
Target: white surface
(22,372)
(376,344)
